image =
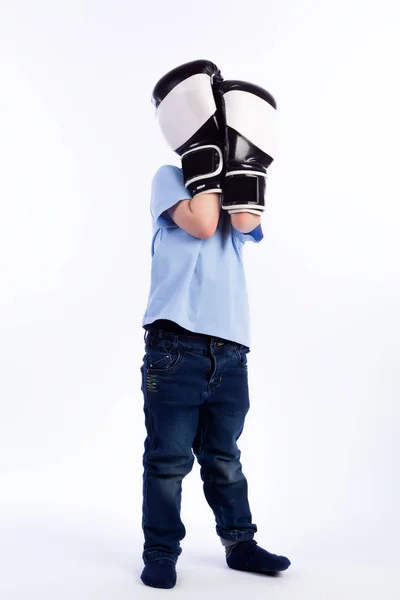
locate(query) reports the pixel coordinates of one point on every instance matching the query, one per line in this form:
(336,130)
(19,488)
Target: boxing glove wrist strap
(244,190)
(201,163)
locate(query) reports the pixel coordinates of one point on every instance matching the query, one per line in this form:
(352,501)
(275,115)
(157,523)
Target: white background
(78,147)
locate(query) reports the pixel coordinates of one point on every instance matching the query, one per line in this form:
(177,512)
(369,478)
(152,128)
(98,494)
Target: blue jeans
(196,398)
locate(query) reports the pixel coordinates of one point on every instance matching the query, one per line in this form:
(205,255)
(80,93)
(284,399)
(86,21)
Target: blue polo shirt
(198,283)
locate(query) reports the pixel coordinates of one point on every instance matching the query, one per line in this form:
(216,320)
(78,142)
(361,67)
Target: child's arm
(198,216)
(245,222)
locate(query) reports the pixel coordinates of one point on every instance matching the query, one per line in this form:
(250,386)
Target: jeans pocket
(241,355)
(161,360)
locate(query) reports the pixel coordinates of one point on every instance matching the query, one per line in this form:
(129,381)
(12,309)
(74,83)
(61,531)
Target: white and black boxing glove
(188,117)
(250,141)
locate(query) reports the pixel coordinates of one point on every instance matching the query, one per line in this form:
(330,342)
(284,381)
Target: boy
(194,372)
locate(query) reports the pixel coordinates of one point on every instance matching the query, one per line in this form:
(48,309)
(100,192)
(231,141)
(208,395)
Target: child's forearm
(206,209)
(245,222)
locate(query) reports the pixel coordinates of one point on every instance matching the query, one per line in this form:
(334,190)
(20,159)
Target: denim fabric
(196,398)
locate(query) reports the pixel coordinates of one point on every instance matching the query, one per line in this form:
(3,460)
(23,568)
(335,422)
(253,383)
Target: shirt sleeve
(167,189)
(253,236)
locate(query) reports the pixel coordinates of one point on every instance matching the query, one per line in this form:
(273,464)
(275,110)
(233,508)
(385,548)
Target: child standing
(194,371)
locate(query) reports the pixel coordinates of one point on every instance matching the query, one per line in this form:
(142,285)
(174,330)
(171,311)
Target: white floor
(76,558)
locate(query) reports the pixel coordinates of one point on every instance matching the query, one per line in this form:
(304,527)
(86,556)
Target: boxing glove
(250,141)
(188,118)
